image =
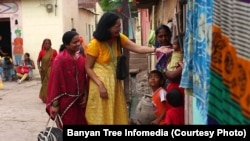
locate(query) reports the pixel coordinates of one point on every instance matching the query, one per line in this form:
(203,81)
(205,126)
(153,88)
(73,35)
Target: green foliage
(110,5)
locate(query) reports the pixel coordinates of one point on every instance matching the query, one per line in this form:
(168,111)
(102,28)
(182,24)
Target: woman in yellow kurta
(106,100)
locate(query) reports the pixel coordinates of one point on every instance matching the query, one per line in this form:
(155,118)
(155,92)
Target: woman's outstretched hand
(164,49)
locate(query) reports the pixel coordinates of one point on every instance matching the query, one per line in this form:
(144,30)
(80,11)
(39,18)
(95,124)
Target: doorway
(5,32)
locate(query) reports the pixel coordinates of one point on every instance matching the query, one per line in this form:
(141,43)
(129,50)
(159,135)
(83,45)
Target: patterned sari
(45,66)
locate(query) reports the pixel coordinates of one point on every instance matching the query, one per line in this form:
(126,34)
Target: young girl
(156,82)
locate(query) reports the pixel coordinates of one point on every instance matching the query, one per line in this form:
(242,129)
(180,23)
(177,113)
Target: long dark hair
(28,55)
(108,20)
(62,47)
(66,39)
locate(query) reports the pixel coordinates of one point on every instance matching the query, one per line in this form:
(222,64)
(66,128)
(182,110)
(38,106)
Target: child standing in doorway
(156,82)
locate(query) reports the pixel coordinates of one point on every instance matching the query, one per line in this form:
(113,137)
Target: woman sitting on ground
(28,63)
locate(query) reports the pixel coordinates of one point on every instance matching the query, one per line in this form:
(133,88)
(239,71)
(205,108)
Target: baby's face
(176,45)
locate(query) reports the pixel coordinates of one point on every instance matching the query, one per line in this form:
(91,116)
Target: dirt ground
(22,114)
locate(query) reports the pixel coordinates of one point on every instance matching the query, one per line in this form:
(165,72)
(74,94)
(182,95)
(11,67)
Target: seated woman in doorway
(25,75)
(7,68)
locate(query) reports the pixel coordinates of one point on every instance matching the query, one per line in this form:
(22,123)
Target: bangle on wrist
(55,105)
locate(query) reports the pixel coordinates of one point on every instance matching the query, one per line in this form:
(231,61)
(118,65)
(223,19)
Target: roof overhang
(87,3)
(91,10)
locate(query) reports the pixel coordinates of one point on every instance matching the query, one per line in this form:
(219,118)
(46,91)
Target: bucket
(144,113)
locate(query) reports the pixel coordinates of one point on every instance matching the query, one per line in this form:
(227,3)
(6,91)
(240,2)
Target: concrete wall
(70,15)
(99,12)
(38,24)
(86,24)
